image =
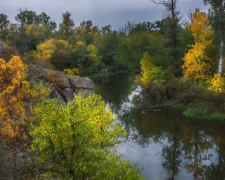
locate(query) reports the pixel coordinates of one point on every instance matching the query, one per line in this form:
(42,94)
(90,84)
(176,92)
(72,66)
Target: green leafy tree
(75,141)
(25,16)
(66,27)
(26,20)
(110,43)
(171,29)
(3,26)
(78,54)
(131,48)
(48,26)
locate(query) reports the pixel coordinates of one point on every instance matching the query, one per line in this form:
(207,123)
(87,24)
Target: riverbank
(189,106)
(98,75)
(199,110)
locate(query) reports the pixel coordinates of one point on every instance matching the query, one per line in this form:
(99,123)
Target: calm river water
(166,143)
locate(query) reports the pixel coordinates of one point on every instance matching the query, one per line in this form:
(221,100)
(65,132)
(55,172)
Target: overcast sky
(100,12)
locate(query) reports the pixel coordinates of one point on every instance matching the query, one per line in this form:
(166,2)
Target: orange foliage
(198,62)
(14,91)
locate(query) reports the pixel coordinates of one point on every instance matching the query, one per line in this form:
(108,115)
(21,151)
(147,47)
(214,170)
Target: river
(166,143)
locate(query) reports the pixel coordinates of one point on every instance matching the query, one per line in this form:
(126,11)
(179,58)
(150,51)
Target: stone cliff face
(62,87)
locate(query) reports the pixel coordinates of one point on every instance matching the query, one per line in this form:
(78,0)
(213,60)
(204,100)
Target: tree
(152,77)
(92,56)
(85,56)
(128,27)
(67,25)
(217,16)
(3,19)
(199,61)
(131,48)
(56,52)
(42,19)
(171,34)
(26,17)
(14,91)
(106,29)
(76,141)
(109,43)
(3,26)
(79,53)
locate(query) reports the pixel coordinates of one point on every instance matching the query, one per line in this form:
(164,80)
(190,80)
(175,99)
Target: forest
(174,62)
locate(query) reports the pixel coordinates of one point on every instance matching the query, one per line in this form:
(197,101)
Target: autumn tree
(56,52)
(92,56)
(199,61)
(15,92)
(76,141)
(152,77)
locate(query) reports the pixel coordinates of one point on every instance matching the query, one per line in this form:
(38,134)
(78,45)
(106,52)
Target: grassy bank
(200,110)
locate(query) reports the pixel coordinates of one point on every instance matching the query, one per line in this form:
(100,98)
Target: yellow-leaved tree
(56,52)
(15,93)
(76,141)
(92,55)
(146,66)
(199,61)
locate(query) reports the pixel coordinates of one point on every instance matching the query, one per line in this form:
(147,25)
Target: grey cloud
(101,12)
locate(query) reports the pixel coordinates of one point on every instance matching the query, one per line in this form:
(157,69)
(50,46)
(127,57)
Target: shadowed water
(166,143)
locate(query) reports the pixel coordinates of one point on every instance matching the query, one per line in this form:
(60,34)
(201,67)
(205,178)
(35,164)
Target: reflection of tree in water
(116,91)
(216,170)
(187,143)
(194,150)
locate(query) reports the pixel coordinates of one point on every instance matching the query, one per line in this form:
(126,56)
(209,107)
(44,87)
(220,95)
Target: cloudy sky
(100,12)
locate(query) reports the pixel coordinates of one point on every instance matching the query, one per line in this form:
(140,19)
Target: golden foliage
(146,64)
(14,91)
(93,54)
(198,62)
(216,83)
(71,72)
(46,50)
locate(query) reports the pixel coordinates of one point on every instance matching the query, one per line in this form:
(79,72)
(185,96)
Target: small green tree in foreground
(75,141)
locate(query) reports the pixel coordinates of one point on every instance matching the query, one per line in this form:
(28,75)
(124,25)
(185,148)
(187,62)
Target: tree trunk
(220,71)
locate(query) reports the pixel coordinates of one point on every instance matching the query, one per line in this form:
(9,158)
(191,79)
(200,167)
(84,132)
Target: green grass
(204,111)
(93,76)
(213,116)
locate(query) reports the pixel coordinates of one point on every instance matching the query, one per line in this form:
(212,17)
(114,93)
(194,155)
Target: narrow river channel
(166,143)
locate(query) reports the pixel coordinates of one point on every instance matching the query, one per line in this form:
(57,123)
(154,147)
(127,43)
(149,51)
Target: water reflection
(168,144)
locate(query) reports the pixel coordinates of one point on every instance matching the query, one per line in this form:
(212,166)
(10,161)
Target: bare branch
(160,2)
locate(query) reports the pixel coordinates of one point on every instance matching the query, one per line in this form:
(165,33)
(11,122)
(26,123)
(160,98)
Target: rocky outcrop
(62,87)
